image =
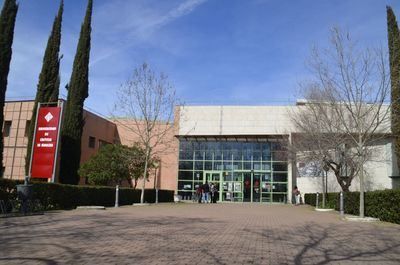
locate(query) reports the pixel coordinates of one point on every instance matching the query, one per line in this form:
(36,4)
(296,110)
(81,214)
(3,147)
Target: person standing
(211,185)
(199,193)
(296,195)
(206,192)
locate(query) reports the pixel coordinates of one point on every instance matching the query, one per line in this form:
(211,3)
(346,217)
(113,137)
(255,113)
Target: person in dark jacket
(206,192)
(199,192)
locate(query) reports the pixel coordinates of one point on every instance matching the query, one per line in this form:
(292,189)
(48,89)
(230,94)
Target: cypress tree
(77,93)
(49,78)
(394,58)
(7,24)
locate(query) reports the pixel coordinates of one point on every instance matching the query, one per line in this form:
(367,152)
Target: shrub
(62,196)
(382,204)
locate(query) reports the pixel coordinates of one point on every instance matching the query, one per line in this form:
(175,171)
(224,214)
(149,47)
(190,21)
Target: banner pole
(33,140)
(61,105)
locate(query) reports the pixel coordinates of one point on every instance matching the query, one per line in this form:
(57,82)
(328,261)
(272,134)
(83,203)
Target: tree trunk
(145,173)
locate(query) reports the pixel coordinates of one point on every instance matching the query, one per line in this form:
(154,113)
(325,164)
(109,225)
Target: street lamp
(156,165)
(326,169)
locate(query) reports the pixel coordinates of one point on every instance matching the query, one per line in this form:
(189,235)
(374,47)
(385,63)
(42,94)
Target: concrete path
(197,234)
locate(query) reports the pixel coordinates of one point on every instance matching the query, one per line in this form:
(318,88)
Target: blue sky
(214,51)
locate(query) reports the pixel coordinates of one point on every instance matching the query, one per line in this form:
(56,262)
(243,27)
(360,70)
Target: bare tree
(147,101)
(346,110)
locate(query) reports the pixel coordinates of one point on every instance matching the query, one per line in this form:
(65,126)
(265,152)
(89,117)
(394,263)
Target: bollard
(116,196)
(341,204)
(317,201)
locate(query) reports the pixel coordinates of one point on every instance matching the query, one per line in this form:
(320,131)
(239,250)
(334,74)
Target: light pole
(326,169)
(156,165)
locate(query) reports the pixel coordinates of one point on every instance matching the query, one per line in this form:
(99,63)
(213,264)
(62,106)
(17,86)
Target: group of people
(207,193)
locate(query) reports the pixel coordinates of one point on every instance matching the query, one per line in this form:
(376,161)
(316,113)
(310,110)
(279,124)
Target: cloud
(135,22)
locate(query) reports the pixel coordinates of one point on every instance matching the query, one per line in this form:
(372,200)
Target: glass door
(256,187)
(247,187)
(266,187)
(214,177)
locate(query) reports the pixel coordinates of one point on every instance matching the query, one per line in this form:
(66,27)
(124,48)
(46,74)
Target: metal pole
(61,105)
(156,182)
(361,176)
(323,191)
(326,183)
(317,201)
(341,204)
(116,196)
(157,195)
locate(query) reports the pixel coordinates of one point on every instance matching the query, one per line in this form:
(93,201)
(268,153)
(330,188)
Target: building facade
(17,117)
(240,149)
(97,131)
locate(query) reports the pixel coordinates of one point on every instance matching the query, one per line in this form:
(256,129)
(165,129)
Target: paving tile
(197,234)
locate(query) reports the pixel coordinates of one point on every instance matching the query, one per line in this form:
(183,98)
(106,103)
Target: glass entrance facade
(243,170)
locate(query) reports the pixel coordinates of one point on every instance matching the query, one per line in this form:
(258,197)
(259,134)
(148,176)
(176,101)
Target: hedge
(382,204)
(63,197)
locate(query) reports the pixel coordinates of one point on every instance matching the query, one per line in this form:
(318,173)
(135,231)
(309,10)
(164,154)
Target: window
(92,142)
(27,125)
(7,128)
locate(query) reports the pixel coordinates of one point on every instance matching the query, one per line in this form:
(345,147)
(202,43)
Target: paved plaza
(196,234)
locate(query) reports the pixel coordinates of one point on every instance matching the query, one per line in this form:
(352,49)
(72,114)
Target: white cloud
(125,24)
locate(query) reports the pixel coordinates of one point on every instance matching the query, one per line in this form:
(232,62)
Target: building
(17,115)
(97,131)
(238,148)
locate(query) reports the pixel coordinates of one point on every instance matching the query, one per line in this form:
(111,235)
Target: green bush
(8,190)
(382,204)
(62,196)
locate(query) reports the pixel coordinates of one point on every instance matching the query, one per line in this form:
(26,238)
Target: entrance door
(214,177)
(256,187)
(247,184)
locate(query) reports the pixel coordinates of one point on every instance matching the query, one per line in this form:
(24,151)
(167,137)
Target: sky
(225,52)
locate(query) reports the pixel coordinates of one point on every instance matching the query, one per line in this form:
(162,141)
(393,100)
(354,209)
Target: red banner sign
(45,142)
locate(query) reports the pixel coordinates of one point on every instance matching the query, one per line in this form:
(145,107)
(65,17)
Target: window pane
(279,156)
(280,177)
(256,156)
(266,187)
(7,128)
(237,155)
(218,165)
(185,175)
(266,166)
(247,165)
(279,187)
(198,176)
(92,142)
(188,165)
(227,165)
(218,155)
(185,185)
(279,166)
(278,197)
(199,155)
(27,125)
(257,166)
(198,165)
(266,177)
(237,165)
(209,154)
